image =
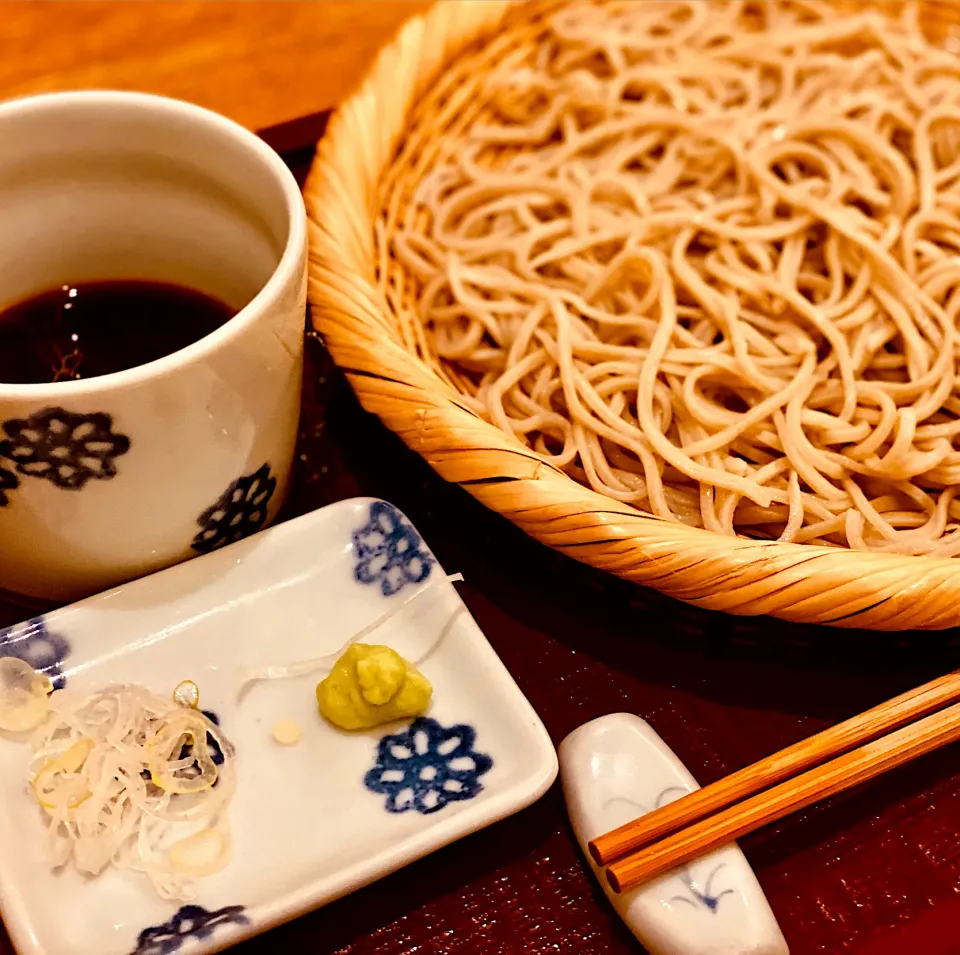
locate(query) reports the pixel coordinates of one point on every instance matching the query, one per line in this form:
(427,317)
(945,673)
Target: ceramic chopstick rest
(616,768)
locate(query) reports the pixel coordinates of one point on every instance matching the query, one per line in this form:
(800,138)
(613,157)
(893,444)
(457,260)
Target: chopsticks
(842,756)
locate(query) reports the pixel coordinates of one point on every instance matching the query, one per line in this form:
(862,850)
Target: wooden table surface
(260,63)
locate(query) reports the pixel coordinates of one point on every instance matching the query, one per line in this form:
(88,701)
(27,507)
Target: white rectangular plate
(307,826)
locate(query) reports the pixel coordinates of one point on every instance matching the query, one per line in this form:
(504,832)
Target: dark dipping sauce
(98,328)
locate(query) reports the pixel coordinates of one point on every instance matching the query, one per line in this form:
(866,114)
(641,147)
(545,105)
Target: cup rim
(278,281)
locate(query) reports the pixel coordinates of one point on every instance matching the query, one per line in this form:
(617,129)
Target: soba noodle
(705,257)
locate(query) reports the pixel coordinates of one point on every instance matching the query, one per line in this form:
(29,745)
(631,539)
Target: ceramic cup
(109,478)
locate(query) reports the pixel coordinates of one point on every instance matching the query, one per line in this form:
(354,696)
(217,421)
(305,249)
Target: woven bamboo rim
(410,107)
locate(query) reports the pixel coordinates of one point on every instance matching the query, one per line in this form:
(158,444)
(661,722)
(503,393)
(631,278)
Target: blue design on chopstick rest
(64,448)
(191,921)
(239,512)
(701,893)
(389,551)
(33,643)
(426,766)
(703,896)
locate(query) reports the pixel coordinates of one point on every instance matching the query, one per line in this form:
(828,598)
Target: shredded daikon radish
(249,675)
(24,693)
(124,776)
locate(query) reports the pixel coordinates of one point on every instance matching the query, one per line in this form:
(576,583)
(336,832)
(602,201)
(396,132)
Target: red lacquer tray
(875,872)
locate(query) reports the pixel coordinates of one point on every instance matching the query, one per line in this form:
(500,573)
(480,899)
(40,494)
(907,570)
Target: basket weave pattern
(414,103)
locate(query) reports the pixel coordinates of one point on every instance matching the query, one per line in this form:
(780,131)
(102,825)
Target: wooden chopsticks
(836,759)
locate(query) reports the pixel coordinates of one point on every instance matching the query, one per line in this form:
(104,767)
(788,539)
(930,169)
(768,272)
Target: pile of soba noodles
(705,257)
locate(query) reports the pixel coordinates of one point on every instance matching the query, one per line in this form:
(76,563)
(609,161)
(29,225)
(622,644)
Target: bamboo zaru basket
(415,102)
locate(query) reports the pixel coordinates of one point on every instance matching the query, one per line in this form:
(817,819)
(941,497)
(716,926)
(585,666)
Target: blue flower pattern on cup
(8,482)
(389,551)
(239,512)
(427,766)
(191,921)
(64,448)
(33,643)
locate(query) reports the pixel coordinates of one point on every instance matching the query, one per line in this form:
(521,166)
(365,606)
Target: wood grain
(791,761)
(843,773)
(261,63)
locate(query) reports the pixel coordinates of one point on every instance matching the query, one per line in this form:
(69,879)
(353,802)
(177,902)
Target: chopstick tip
(614,881)
(595,852)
